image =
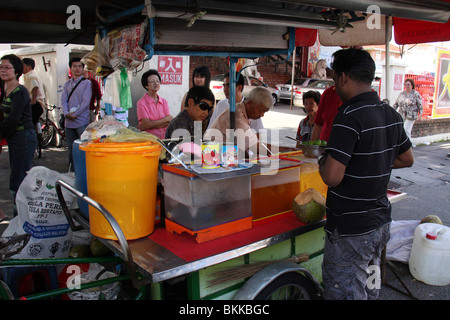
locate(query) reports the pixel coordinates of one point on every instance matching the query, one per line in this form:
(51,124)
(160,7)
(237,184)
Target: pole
(292,77)
(387,63)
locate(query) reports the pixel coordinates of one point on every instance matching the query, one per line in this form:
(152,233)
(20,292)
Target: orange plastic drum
(123,178)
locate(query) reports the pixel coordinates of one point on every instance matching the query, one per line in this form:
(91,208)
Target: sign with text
(441,106)
(170,69)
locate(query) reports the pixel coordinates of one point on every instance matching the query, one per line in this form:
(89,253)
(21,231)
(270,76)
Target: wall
(429,127)
(271,73)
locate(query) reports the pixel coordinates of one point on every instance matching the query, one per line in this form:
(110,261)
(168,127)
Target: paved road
(426,185)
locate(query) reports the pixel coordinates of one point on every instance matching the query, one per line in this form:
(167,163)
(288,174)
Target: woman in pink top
(152,110)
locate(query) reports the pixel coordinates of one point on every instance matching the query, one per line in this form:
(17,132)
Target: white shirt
(30,81)
(223,105)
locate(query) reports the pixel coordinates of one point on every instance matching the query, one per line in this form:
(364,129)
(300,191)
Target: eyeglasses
(154,82)
(205,106)
(5,67)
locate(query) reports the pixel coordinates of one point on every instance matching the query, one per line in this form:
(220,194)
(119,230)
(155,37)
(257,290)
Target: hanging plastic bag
(97,60)
(124,90)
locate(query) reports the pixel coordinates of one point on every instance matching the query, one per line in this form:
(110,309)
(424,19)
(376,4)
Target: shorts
(351,265)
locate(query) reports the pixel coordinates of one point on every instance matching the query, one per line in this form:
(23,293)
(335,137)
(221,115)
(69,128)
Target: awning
(407,31)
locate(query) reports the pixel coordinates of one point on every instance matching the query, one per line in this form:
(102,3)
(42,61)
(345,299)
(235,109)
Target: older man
(259,101)
(224,104)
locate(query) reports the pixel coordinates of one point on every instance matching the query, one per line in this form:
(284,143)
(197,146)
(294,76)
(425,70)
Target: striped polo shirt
(367,135)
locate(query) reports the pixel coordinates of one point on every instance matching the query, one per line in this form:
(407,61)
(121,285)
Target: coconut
(309,206)
(431,219)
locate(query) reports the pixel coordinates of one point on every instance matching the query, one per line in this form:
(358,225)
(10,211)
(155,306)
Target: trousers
(351,265)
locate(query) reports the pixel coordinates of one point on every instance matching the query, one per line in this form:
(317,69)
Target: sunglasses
(205,106)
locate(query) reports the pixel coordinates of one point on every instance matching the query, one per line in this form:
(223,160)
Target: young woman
(17,125)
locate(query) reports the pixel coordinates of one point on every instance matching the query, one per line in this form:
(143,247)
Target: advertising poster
(441,106)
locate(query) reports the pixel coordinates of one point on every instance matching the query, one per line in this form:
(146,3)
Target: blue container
(79,163)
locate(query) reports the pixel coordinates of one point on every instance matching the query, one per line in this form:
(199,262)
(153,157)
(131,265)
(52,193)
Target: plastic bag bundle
(134,135)
(40,214)
(103,128)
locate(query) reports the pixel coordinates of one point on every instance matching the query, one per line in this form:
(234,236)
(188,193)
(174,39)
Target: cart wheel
(288,286)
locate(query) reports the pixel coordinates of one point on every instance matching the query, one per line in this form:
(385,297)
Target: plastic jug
(429,261)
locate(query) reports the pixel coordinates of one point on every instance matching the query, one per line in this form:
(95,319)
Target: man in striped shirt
(367,141)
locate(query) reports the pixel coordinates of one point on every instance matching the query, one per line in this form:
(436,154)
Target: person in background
(75,101)
(199,102)
(311,100)
(328,108)
(152,110)
(367,141)
(17,125)
(201,77)
(96,96)
(409,105)
(35,88)
(121,115)
(224,104)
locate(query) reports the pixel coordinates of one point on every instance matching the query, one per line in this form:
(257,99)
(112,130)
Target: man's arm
(316,132)
(403,160)
(33,95)
(331,170)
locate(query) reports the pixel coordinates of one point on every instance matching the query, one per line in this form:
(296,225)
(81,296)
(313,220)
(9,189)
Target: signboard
(170,69)
(398,82)
(441,106)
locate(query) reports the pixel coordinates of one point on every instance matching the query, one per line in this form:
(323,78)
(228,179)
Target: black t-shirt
(16,112)
(367,135)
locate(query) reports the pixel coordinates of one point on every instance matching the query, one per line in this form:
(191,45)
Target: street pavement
(426,185)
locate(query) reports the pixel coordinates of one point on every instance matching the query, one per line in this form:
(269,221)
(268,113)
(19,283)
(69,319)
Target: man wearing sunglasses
(259,101)
(199,102)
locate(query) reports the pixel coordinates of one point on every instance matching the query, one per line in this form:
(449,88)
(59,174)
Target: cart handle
(127,256)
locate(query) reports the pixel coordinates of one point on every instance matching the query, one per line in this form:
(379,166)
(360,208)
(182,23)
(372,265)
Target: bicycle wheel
(288,286)
(48,133)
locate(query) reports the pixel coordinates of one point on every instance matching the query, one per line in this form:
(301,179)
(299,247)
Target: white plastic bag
(40,214)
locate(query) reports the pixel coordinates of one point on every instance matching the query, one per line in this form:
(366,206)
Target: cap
(431,236)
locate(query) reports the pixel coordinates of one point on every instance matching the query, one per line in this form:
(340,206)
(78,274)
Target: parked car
(285,89)
(319,85)
(250,83)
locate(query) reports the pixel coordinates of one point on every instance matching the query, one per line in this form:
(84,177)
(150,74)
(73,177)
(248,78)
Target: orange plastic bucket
(123,178)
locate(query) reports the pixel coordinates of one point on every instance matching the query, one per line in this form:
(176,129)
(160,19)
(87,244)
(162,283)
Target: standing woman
(17,125)
(153,111)
(201,77)
(409,105)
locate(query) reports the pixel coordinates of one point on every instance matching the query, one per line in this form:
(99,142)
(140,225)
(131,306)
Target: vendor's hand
(71,116)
